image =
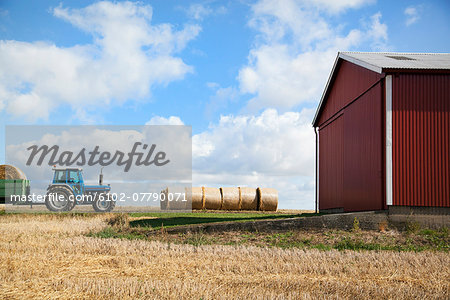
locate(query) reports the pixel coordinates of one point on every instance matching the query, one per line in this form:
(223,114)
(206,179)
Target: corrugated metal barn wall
(331,165)
(363,155)
(351,141)
(421,139)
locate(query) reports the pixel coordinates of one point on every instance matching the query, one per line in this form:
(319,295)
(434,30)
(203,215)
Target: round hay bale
(268,199)
(9,172)
(231,199)
(249,198)
(195,196)
(170,200)
(213,198)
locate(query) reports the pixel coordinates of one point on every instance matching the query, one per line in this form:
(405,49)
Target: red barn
(383,133)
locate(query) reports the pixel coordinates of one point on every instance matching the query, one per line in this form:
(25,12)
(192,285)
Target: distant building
(383,133)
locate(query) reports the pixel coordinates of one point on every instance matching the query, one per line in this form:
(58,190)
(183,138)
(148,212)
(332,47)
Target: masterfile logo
(54,156)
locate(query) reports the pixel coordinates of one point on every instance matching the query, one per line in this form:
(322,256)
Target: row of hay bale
(228,198)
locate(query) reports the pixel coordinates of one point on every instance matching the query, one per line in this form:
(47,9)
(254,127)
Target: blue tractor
(68,189)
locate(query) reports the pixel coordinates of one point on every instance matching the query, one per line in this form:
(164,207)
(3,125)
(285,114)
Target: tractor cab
(71,177)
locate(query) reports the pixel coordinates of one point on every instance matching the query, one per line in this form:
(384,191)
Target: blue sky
(247,75)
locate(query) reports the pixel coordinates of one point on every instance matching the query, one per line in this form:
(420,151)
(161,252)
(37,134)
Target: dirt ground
(50,256)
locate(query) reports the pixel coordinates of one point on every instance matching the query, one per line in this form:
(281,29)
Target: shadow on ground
(177,221)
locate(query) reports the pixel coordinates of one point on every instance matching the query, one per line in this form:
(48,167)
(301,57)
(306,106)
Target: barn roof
(380,62)
(383,62)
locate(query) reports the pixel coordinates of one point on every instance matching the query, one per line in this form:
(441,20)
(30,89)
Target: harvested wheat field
(49,256)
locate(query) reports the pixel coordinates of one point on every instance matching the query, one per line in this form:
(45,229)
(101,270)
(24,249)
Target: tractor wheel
(59,199)
(104,203)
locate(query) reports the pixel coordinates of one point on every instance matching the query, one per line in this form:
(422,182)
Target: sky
(246,75)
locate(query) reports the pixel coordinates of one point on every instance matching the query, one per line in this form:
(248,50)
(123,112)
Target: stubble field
(50,256)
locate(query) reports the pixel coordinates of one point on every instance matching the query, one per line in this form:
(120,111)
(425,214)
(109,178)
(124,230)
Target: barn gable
(349,81)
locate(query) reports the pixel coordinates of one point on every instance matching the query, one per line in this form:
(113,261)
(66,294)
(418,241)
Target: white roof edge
(395,53)
(360,63)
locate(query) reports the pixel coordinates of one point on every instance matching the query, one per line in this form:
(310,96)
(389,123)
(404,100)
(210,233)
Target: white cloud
(281,79)
(127,57)
(172,120)
(412,15)
(199,11)
(335,6)
(270,143)
(295,50)
(377,33)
